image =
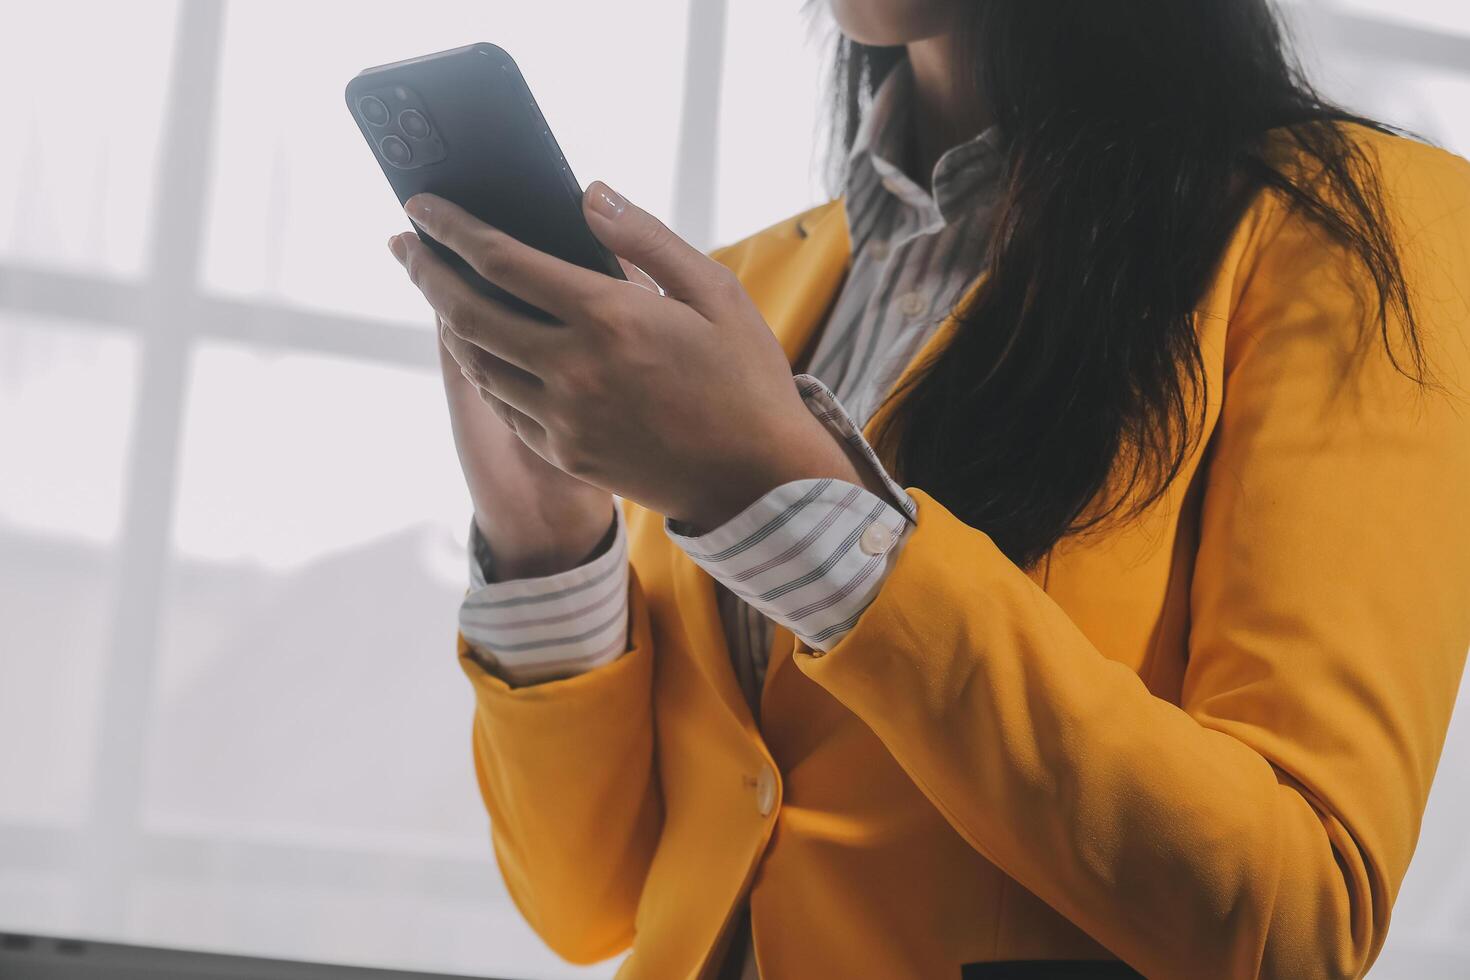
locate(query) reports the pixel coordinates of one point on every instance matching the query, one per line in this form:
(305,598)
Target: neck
(946,111)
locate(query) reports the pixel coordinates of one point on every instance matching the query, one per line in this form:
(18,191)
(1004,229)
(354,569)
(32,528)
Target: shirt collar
(961,173)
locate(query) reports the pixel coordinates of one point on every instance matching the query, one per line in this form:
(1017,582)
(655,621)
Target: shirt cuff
(820,401)
(532,630)
(811,554)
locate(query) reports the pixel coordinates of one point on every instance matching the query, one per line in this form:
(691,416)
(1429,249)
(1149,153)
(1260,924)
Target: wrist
(809,451)
(532,549)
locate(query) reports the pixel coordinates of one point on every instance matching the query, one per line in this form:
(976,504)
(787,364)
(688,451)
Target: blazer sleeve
(1262,826)
(566,772)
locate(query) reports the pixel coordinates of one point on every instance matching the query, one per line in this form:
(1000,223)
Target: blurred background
(231,520)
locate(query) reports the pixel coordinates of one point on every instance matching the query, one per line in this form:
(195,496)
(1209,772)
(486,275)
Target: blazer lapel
(793,273)
(783,642)
(931,348)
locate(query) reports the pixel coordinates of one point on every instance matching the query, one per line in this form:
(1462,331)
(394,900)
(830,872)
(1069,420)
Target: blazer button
(765,791)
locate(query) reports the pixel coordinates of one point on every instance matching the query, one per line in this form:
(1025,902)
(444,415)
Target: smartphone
(463,124)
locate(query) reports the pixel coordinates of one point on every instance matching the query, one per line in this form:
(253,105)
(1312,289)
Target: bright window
(231,521)
(82,116)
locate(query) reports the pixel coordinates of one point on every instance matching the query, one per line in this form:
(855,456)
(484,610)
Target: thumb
(684,272)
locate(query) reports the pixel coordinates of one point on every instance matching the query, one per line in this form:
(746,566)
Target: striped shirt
(812,554)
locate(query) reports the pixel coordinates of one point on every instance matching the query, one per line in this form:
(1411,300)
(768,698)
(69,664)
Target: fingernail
(418,208)
(396,246)
(606,201)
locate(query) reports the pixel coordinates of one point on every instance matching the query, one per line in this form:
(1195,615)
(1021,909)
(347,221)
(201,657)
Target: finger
(454,378)
(531,433)
(685,273)
(501,331)
(640,278)
(516,388)
(457,379)
(526,428)
(566,291)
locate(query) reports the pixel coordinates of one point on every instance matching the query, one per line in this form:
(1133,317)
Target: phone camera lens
(414,123)
(395,151)
(373,110)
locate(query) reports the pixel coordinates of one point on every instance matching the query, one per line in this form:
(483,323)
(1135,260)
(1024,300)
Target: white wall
(230,519)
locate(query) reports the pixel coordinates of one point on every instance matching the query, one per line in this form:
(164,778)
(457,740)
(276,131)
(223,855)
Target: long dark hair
(1139,132)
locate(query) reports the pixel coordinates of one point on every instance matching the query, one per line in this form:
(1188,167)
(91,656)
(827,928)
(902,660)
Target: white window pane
(299,210)
(290,458)
(39,901)
(1431,102)
(403,924)
(1444,15)
(66,401)
(55,600)
(66,395)
(771,115)
(307,689)
(321,707)
(82,127)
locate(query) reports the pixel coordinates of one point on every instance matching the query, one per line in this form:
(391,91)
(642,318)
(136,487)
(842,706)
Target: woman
(1097,591)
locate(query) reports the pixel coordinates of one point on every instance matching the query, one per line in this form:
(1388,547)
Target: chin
(886,23)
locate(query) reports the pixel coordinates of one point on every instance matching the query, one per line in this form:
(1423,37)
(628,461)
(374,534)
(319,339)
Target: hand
(536,519)
(682,402)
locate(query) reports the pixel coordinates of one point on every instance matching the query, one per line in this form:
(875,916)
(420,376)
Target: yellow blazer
(1200,744)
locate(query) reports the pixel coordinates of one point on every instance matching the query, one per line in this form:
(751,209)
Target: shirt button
(912,304)
(875,539)
(765,791)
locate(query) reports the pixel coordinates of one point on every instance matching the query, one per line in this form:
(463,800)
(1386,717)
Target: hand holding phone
(682,401)
(463,124)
